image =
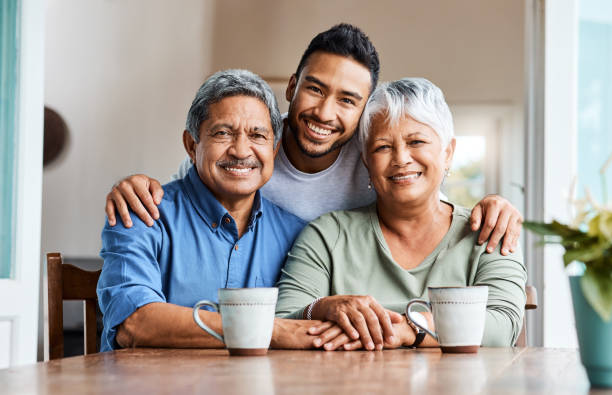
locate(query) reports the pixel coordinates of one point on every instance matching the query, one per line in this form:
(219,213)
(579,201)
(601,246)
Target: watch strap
(418,333)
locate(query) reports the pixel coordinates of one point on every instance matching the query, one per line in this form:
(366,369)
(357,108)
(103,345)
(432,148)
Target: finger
(384,322)
(499,231)
(374,325)
(345,323)
(512,235)
(354,345)
(519,227)
(156,191)
(396,318)
(359,322)
(328,335)
(488,224)
(134,202)
(476,217)
(318,329)
(121,207)
(337,342)
(110,211)
(147,200)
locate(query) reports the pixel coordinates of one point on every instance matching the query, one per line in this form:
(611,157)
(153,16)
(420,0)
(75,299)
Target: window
(594,96)
(9,67)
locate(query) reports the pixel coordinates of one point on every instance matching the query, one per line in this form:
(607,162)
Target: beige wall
(123,74)
(472,49)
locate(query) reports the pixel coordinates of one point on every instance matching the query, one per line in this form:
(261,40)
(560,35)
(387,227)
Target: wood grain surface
(166,371)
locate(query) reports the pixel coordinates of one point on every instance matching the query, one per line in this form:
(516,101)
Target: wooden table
(491,371)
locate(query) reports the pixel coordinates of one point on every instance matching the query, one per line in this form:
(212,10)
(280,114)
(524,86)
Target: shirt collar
(209,207)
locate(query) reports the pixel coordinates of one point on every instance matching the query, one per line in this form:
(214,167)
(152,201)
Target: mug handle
(425,304)
(196,318)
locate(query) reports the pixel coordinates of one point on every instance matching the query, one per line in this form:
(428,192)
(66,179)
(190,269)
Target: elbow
(131,333)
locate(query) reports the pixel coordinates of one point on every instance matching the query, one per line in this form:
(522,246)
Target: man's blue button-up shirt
(190,252)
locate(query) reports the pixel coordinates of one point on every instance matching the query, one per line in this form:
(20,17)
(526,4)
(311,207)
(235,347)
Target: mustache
(248,162)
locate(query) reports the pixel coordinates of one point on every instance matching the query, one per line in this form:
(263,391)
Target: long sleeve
(506,277)
(130,275)
(307,271)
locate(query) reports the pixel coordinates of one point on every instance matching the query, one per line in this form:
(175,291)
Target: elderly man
(215,229)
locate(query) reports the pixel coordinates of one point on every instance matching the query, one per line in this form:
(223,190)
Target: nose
(326,109)
(401,156)
(241,146)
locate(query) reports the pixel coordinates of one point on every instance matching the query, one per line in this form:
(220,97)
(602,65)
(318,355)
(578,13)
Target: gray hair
(416,97)
(226,83)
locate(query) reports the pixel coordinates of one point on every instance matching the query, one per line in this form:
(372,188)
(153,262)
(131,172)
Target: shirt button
(236,247)
(227,220)
(214,224)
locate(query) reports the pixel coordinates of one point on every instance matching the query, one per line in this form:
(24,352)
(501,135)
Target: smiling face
(326,102)
(235,155)
(406,161)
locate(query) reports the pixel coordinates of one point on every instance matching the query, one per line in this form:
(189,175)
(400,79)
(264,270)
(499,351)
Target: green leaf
(565,231)
(584,254)
(597,289)
(541,228)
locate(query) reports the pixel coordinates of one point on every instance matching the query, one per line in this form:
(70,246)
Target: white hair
(417,97)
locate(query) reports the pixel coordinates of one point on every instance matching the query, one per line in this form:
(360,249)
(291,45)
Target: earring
(369,184)
(447,173)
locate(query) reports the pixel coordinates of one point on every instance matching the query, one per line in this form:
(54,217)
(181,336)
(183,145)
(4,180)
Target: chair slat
(68,282)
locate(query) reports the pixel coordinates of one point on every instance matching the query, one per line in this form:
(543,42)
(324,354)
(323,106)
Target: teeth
(241,170)
(407,177)
(318,130)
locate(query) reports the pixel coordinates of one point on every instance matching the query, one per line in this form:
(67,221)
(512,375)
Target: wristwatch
(418,332)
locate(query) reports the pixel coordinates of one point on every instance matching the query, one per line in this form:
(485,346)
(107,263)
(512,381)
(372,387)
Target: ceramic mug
(247,315)
(458,314)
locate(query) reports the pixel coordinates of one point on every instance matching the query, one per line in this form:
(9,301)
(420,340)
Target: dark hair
(346,40)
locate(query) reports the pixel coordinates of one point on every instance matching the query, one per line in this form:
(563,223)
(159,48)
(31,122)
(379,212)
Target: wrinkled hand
(501,219)
(331,337)
(294,334)
(360,317)
(141,193)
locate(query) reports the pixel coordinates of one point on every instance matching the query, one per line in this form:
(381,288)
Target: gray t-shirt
(342,186)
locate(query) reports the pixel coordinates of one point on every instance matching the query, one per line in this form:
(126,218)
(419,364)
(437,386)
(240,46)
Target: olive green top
(345,253)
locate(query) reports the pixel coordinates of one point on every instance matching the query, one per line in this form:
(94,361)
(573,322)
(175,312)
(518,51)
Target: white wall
(560,121)
(123,74)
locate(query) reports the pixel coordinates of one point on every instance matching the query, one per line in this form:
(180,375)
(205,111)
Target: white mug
(458,314)
(247,315)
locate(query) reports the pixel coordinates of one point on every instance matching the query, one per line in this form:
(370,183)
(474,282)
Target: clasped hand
(353,322)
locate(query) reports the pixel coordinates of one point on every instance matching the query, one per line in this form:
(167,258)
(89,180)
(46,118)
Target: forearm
(500,329)
(168,325)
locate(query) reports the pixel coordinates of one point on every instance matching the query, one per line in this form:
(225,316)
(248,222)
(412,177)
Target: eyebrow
(231,127)
(388,138)
(319,82)
(261,129)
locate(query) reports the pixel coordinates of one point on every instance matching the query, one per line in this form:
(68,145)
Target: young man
(318,167)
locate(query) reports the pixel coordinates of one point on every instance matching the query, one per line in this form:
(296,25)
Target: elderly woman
(407,240)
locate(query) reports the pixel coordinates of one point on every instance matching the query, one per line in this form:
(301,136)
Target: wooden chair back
(68,282)
(530,304)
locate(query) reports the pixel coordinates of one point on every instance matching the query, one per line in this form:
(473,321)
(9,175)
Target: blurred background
(527,82)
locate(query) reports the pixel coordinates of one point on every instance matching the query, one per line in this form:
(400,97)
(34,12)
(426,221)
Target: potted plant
(588,240)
